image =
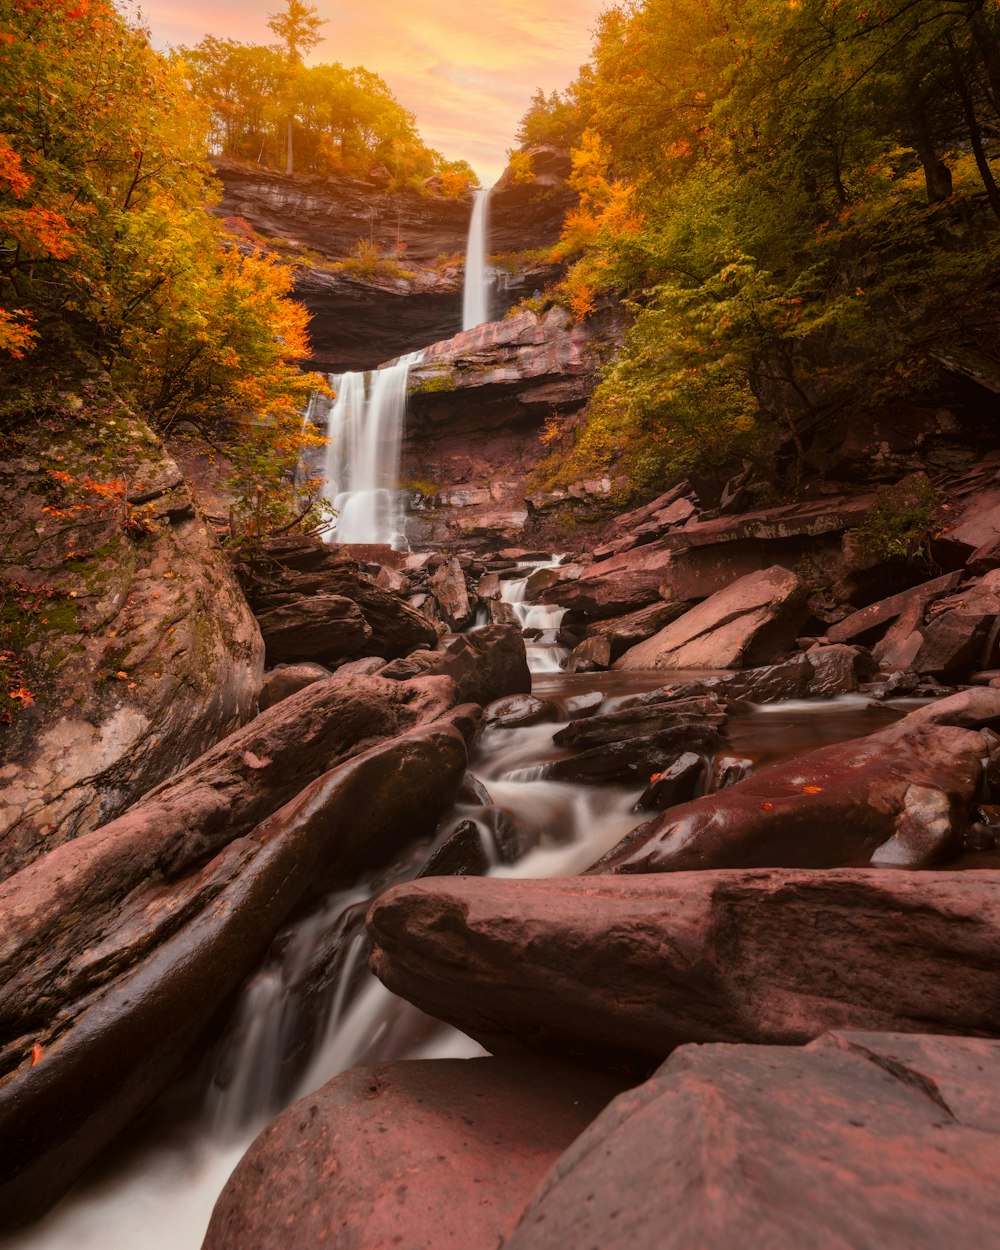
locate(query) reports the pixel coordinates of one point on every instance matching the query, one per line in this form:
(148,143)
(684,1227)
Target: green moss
(435,385)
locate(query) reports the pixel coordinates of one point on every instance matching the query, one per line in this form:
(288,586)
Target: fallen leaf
(767,807)
(812,789)
(36,1053)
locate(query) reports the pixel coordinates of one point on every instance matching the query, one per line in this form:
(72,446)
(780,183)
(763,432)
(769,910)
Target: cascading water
(476,292)
(539,621)
(364,425)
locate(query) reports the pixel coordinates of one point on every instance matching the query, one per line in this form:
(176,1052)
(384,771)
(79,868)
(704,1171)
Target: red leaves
(36,1053)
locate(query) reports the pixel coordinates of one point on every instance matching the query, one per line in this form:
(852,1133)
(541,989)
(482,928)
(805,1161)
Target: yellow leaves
(12,170)
(16,333)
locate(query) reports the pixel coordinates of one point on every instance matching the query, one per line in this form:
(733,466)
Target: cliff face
(411,295)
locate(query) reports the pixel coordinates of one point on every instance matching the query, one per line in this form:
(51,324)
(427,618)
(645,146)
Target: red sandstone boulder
(861,1139)
(753,621)
(289,679)
(448,586)
(896,798)
(430,1155)
(611,587)
(612,968)
(486,664)
(623,632)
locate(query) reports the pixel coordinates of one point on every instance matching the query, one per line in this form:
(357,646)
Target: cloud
(464,68)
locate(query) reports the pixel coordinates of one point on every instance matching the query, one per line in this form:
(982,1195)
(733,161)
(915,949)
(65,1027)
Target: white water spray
(361,469)
(540,621)
(476,293)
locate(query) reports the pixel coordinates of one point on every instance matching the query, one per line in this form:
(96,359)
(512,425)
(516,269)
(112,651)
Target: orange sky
(465,68)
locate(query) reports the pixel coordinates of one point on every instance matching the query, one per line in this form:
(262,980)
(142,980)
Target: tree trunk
(972,125)
(288,160)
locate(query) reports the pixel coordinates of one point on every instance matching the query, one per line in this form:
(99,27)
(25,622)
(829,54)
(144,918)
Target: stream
(312,1009)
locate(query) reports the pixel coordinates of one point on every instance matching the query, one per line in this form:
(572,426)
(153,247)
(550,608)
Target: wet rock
(485,665)
(726,771)
(501,613)
(676,784)
(832,807)
(977,708)
(319,628)
(627,968)
(753,621)
(164,926)
(462,854)
(681,715)
(433,1154)
(772,683)
(636,759)
(489,587)
(590,656)
(577,706)
(837,670)
(517,709)
(858,1139)
(448,586)
(287,679)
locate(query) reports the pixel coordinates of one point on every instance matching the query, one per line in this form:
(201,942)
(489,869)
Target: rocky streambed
(583,881)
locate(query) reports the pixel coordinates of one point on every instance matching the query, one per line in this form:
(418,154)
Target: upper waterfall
(475,295)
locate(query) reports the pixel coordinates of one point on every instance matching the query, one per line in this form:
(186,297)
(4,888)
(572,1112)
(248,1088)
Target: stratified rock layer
(143,646)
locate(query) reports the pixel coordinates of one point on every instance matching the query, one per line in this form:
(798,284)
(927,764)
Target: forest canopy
(798,200)
(343,121)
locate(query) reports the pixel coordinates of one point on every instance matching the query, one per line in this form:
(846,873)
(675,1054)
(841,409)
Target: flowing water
(476,290)
(313,1010)
(364,429)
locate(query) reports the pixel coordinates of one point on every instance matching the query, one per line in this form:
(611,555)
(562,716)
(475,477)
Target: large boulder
(486,664)
(753,621)
(116,949)
(619,969)
(318,629)
(860,1139)
(623,584)
(132,646)
(431,1155)
(899,799)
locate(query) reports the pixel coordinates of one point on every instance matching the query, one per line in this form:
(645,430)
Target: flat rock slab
(752,621)
(425,1154)
(859,1140)
(618,969)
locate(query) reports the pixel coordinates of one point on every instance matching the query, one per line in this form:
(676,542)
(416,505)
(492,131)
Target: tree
(298,29)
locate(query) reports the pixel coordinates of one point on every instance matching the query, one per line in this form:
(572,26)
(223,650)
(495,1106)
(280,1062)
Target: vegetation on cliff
(266,103)
(108,248)
(799,201)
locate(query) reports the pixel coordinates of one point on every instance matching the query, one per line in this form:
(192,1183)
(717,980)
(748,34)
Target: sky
(465,68)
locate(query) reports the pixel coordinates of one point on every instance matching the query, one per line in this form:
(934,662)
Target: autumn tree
(106,240)
(298,29)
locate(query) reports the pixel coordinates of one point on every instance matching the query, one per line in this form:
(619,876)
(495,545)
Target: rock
(964,634)
(322,627)
(621,584)
(772,683)
(462,854)
(623,632)
(753,621)
(627,968)
(978,708)
(726,771)
(488,589)
(833,807)
(837,670)
(288,679)
(633,760)
(447,584)
(680,716)
(517,709)
(132,633)
(860,1139)
(435,1155)
(485,665)
(864,622)
(118,991)
(591,655)
(294,574)
(676,784)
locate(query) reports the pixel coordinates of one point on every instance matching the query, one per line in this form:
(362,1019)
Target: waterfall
(539,621)
(364,426)
(475,296)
